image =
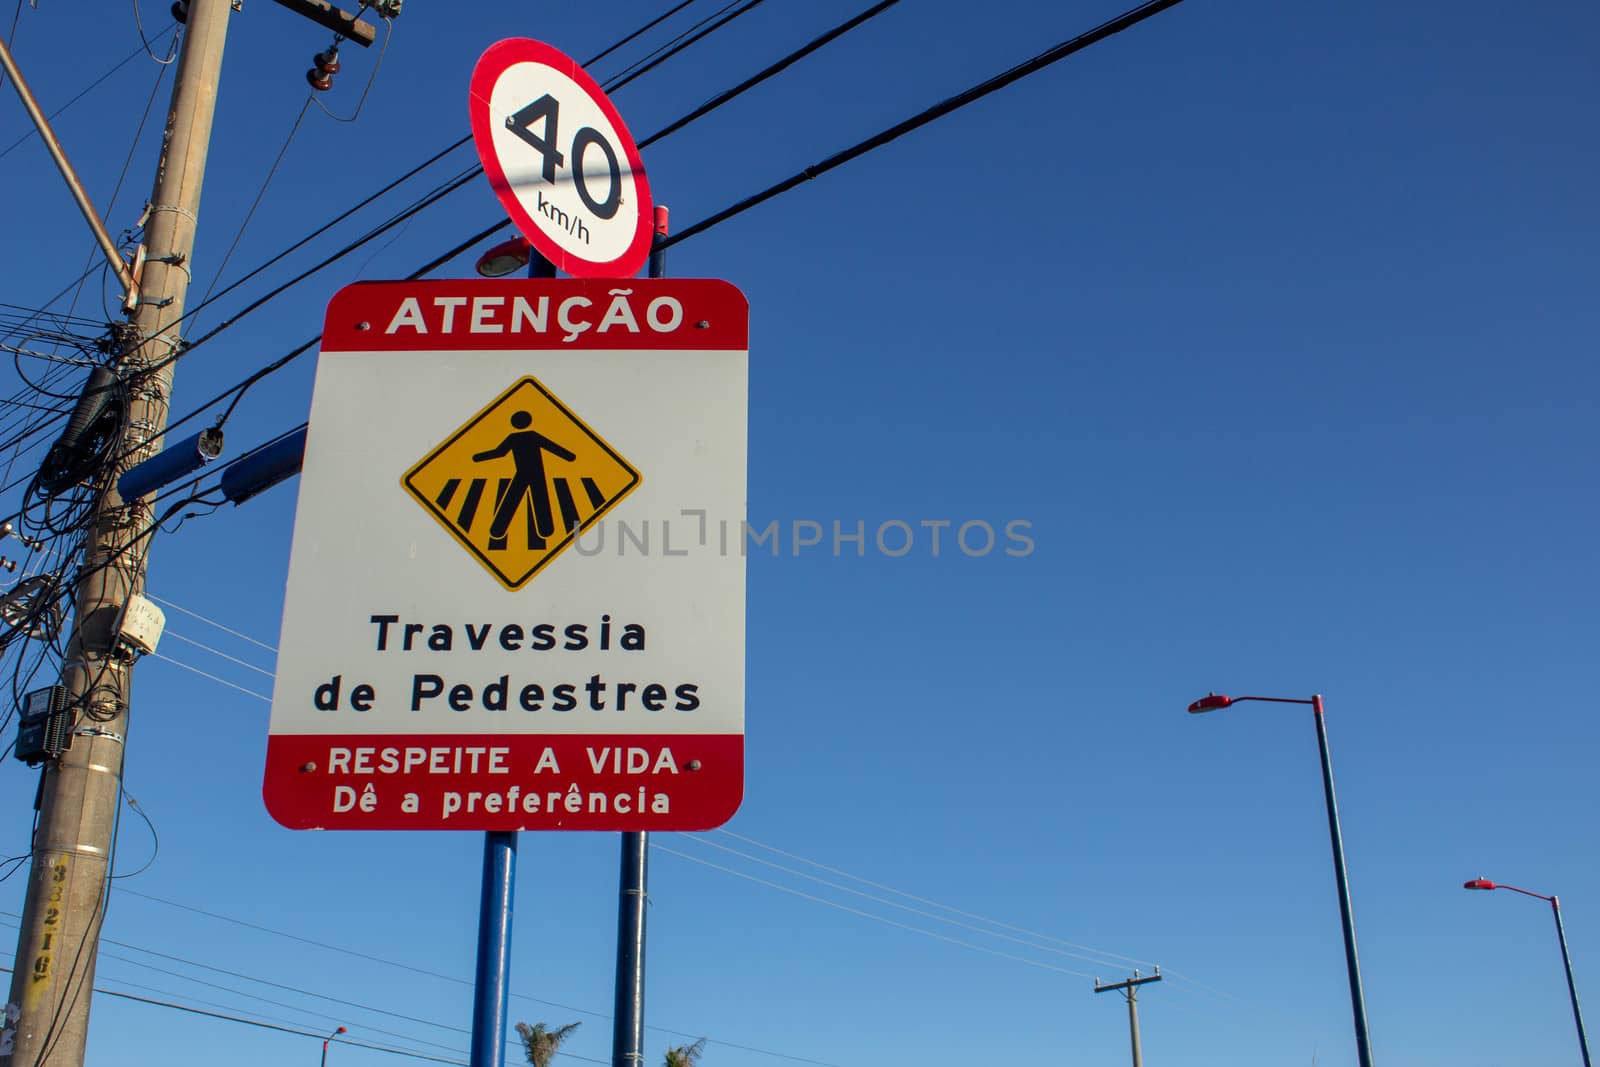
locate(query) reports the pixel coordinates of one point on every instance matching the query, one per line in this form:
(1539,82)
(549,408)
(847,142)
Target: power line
(867,914)
(1102,954)
(768,72)
(923,118)
(937,111)
(470,174)
(312,942)
(122,175)
(325,227)
(212,677)
(388,34)
(711,24)
(139,25)
(652,24)
(271,1026)
(906,907)
(212,622)
(945,107)
(169,632)
(303,1033)
(192,1000)
(285,1004)
(86,90)
(357,1005)
(931,903)
(250,214)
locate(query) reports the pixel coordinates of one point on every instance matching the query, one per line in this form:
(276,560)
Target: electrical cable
(11,37)
(270,984)
(673,127)
(169,632)
(931,903)
(376,66)
(652,24)
(138,132)
(69,1000)
(678,124)
(845,157)
(212,622)
(325,227)
(458,143)
(246,924)
(458,183)
(701,840)
(266,1025)
(869,915)
(139,24)
(82,93)
(40,388)
(250,214)
(395,220)
(221,681)
(77,287)
(977,92)
(935,916)
(155,838)
(767,72)
(691,37)
(282,1029)
(285,1004)
(928,115)
(147,988)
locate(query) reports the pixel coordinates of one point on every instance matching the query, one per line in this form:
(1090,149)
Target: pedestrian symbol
(519,481)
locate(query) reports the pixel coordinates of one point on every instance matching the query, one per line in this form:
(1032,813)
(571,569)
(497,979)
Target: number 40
(548,109)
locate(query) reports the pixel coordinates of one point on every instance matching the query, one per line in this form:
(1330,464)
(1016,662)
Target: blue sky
(1275,322)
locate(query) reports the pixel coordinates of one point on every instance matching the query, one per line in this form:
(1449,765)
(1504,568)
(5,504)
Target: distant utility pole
(1130,990)
(48,1013)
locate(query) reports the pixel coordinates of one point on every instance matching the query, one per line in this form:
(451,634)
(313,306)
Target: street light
(1358,1004)
(1566,960)
(505,257)
(325,1041)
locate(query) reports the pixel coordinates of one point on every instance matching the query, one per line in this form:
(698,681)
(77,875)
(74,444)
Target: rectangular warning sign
(513,600)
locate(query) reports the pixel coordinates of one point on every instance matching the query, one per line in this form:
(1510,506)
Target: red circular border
(493,63)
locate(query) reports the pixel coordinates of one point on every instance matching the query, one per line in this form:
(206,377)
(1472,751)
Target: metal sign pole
(633,895)
(491,990)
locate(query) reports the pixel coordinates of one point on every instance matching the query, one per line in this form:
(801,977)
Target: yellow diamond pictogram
(519,481)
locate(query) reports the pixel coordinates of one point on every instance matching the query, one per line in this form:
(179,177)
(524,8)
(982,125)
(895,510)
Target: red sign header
(696,314)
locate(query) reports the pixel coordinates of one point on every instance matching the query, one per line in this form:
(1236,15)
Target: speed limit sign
(560,160)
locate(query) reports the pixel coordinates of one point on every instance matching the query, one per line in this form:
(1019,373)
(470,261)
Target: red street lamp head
(1479,883)
(1211,702)
(505,257)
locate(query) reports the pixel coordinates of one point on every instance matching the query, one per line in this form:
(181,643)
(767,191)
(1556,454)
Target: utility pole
(1130,990)
(48,1013)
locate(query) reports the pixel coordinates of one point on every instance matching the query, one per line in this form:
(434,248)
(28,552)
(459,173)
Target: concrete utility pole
(80,791)
(1130,990)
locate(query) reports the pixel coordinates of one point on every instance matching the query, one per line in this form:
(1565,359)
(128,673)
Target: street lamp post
(1358,1003)
(1566,960)
(325,1041)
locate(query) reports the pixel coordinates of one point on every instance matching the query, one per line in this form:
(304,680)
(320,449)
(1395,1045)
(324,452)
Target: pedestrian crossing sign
(519,481)
(583,441)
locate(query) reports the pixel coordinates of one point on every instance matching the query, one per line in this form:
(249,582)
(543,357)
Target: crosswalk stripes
(469,511)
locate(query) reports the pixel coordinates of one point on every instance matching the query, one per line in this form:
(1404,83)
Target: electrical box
(44,728)
(140,625)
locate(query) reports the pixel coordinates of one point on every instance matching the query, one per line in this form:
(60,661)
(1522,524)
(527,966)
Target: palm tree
(685,1055)
(541,1043)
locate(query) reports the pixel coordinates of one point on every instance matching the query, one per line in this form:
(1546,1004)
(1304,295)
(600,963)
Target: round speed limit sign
(560,160)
